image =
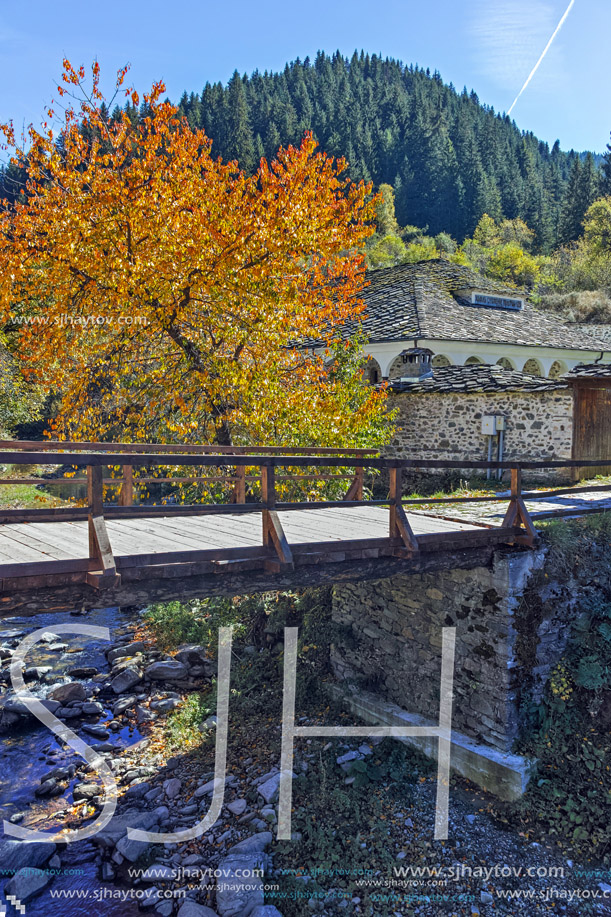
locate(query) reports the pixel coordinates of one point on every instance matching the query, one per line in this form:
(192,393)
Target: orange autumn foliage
(163,293)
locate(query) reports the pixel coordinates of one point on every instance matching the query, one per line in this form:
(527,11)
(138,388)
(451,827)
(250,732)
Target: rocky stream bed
(117,697)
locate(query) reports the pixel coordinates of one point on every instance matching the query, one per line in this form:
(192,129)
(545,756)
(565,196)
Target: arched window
(396,368)
(473,361)
(372,372)
(440,359)
(532,367)
(505,363)
(557,369)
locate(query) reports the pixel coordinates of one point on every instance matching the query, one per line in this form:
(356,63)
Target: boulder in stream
(27,882)
(14,855)
(69,693)
(166,670)
(125,680)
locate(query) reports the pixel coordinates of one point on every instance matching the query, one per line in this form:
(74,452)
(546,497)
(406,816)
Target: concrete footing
(502,774)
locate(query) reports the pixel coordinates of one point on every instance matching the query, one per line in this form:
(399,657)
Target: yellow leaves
(222,274)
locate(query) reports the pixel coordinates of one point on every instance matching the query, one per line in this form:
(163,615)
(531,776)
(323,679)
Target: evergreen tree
(605,182)
(572,213)
(582,190)
(238,132)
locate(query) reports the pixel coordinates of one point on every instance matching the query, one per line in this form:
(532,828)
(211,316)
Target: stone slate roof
(476,378)
(589,371)
(600,332)
(423,301)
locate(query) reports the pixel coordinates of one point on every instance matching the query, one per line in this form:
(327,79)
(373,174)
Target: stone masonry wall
(539,426)
(396,647)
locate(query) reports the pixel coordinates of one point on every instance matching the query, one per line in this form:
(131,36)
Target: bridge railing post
(126,495)
(101,560)
(273,533)
(239,489)
(399,523)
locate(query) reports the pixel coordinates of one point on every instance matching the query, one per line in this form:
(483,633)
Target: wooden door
(592,427)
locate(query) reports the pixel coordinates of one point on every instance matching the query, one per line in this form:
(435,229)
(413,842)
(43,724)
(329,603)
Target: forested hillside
(449,158)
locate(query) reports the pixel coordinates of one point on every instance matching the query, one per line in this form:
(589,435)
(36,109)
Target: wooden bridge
(122,547)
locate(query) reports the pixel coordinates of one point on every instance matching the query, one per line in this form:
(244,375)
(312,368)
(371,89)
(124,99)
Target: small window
(497,302)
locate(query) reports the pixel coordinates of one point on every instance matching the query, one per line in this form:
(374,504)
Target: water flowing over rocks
(140,687)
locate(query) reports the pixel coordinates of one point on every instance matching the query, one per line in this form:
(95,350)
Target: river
(30,750)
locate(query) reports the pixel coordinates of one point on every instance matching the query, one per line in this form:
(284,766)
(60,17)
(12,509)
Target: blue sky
(489,45)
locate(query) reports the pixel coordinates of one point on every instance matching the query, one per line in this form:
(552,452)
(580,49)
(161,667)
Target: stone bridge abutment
(389,665)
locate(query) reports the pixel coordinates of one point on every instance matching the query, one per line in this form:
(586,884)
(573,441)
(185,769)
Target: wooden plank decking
(37,548)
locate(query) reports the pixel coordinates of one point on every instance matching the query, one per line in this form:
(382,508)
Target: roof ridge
(419,303)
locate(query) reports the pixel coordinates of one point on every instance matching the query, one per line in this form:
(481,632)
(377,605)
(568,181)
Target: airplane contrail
(544,52)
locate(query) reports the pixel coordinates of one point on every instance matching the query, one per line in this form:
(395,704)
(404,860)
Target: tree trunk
(222,430)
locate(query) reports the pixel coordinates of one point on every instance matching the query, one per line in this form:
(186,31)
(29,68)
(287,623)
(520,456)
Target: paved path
(494,512)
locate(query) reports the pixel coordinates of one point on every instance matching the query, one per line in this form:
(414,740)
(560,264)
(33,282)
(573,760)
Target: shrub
(182,726)
(196,621)
(568,732)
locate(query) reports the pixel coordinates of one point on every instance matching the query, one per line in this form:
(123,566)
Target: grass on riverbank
(25,496)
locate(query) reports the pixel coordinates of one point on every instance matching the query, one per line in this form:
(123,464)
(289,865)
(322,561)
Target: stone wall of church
(447,426)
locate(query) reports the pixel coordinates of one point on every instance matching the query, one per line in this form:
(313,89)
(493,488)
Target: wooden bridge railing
(517,525)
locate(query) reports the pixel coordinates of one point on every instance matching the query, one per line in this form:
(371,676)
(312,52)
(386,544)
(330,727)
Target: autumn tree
(20,403)
(164,293)
(598,227)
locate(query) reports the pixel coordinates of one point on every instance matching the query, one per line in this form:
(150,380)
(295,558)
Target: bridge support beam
(273,533)
(399,523)
(103,569)
(355,491)
(501,773)
(517,514)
